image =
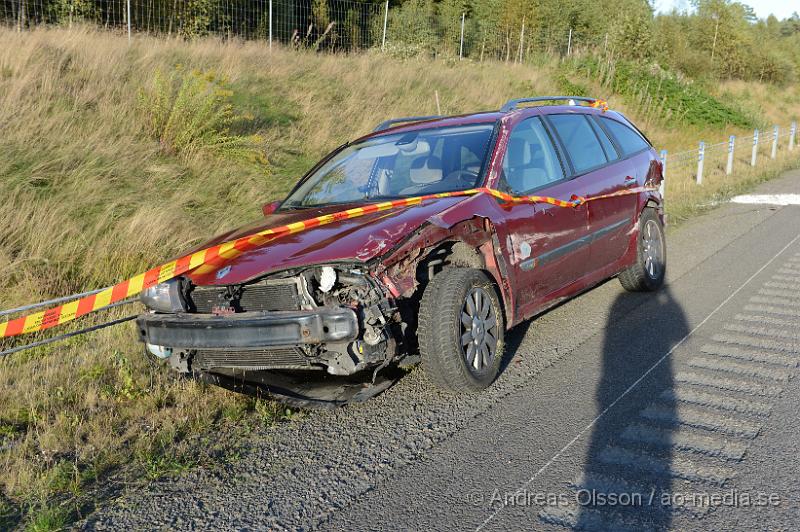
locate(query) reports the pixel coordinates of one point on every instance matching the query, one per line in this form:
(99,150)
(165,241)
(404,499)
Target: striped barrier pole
(210,259)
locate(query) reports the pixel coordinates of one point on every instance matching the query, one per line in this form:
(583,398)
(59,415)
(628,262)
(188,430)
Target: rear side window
(628,140)
(531,160)
(580,141)
(608,146)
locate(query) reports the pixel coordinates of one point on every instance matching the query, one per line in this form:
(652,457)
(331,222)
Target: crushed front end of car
(314,335)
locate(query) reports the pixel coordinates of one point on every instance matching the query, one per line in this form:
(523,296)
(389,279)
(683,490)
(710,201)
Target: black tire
(647,273)
(445,358)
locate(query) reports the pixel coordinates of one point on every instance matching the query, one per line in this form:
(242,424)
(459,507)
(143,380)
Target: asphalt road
(617,411)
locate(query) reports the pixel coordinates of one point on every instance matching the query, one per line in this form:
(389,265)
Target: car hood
(355,240)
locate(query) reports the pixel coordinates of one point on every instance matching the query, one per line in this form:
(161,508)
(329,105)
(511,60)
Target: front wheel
(647,273)
(461,330)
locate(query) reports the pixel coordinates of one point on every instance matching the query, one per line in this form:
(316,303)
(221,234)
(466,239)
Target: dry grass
(90,198)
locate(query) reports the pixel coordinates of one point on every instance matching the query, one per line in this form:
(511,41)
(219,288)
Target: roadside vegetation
(116,157)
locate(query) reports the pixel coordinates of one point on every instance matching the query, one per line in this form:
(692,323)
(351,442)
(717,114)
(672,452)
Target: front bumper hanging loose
(249,329)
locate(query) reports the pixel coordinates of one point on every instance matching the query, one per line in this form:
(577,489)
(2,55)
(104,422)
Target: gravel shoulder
(411,457)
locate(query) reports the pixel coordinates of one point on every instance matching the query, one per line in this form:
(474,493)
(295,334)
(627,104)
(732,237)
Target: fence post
(461,46)
(385,22)
(775,132)
(20,15)
(569,42)
(792,133)
(129,22)
(701,153)
(755,148)
(662,188)
(731,148)
(270,25)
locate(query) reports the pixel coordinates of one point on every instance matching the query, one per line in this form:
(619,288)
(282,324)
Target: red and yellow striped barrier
(209,259)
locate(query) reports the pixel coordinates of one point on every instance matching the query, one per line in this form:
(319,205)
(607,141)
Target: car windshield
(397,166)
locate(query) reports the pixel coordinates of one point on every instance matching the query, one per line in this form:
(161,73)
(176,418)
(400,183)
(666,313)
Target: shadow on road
(629,452)
(514,339)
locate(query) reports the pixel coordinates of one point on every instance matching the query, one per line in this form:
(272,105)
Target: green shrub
(659,92)
(568,87)
(189,112)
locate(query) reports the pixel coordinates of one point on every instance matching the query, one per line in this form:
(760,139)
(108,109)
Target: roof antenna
(438,107)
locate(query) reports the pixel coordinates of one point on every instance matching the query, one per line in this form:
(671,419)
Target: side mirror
(269,208)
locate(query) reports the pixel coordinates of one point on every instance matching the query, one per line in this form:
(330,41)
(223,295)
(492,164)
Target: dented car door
(543,241)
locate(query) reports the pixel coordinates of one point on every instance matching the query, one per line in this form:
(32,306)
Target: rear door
(611,219)
(598,170)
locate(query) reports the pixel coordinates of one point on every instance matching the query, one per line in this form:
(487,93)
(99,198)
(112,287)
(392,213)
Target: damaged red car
(328,315)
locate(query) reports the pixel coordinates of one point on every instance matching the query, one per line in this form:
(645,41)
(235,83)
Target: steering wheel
(466,177)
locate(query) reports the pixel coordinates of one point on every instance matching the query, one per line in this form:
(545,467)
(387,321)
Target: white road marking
(685,440)
(680,342)
(701,418)
(686,394)
(768,199)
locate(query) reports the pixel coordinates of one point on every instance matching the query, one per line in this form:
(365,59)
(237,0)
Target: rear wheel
(461,330)
(647,273)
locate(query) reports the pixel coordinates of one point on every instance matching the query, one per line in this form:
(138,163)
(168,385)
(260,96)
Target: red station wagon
(326,316)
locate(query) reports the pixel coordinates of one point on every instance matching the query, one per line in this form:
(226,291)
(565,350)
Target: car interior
(531,161)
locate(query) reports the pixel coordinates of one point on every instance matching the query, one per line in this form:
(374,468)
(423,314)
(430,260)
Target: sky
(763,8)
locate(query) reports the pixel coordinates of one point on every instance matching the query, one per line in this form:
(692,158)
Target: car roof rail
(389,123)
(511,105)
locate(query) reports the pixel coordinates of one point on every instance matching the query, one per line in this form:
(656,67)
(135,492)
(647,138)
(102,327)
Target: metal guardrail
(693,165)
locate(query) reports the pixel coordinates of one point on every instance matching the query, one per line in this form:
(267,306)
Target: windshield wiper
(296,207)
(371,199)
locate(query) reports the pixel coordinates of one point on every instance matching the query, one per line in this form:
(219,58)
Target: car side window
(628,140)
(608,146)
(582,145)
(531,160)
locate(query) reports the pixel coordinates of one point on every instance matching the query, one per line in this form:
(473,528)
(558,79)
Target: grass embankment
(113,158)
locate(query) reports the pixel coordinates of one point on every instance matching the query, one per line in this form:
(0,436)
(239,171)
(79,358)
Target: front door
(544,242)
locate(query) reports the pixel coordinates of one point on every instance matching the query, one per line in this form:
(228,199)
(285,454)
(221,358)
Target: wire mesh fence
(329,25)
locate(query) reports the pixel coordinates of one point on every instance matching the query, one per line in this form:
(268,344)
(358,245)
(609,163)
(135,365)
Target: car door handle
(630,181)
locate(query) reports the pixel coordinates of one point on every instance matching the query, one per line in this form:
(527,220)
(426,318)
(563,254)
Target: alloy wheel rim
(478,331)
(653,249)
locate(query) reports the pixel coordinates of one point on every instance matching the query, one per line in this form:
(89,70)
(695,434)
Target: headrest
(426,170)
(519,153)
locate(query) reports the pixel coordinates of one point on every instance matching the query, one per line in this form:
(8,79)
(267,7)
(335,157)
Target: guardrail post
(755,148)
(662,187)
(731,148)
(701,154)
(792,133)
(270,24)
(385,23)
(775,132)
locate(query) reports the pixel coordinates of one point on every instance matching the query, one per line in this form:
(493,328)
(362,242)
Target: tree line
(715,39)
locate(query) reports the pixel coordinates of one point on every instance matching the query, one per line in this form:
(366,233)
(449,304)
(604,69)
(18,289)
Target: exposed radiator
(251,359)
(263,296)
